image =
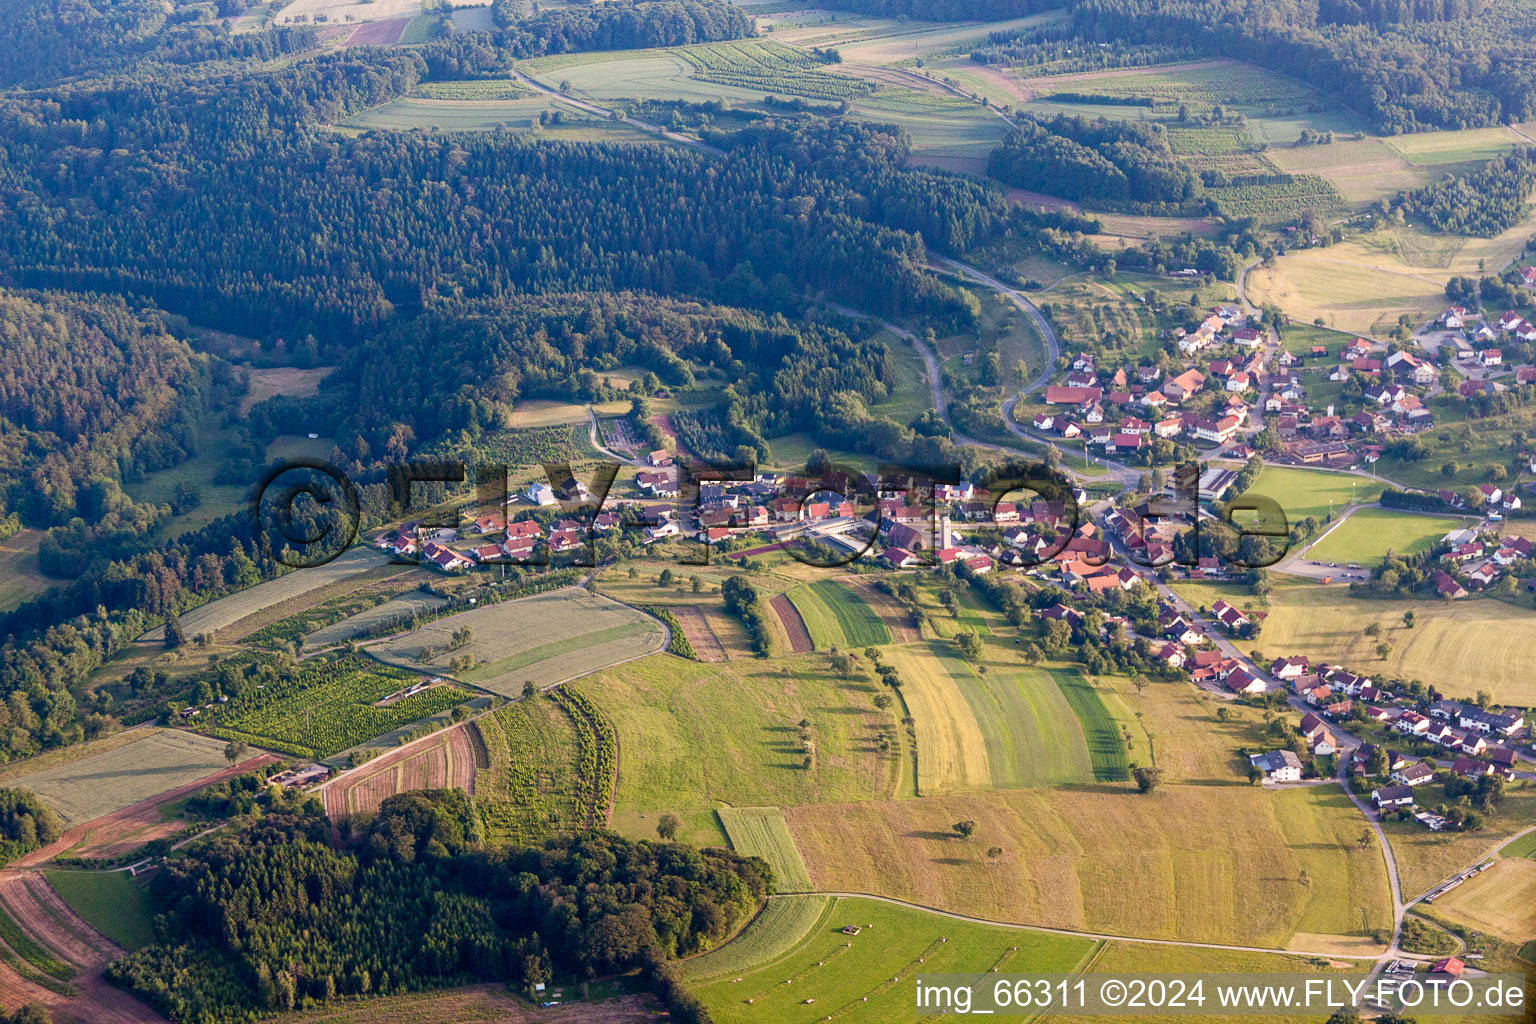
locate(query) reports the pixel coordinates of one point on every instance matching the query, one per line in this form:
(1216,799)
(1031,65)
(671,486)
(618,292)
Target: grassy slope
(113,903)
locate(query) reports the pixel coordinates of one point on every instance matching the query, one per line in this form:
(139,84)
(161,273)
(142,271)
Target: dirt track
(33,904)
(794,625)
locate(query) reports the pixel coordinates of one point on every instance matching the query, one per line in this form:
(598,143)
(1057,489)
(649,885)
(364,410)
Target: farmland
(1460,646)
(99,783)
(527,786)
(837,617)
(226,611)
(20,579)
(446,761)
(865,978)
(477,1004)
(327,707)
(1370,534)
(1104,858)
(359,625)
(761,832)
(111,901)
(778,928)
(1425,858)
(1105,750)
(548,638)
(745,715)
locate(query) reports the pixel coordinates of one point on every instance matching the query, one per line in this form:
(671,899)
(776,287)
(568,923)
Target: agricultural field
(865,978)
(541,412)
(1200,86)
(1362,170)
(778,928)
(329,707)
(447,761)
(226,611)
(357,626)
(1498,901)
(99,783)
(112,902)
(547,638)
(1106,752)
(1104,858)
(947,132)
(1472,145)
(290,381)
(1460,646)
(1279,201)
(761,832)
(1368,535)
(20,579)
(694,737)
(837,617)
(526,788)
(479,1004)
(766,66)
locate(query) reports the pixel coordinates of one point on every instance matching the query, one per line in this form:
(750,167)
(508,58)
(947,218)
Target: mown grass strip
(1105,750)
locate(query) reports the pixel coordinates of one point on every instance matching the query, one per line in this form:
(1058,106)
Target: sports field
(1499,901)
(693,736)
(545,639)
(227,611)
(1308,492)
(88,787)
(1205,863)
(1371,533)
(864,978)
(1459,646)
(837,617)
(761,832)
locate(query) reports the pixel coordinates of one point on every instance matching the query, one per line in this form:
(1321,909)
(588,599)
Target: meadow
(778,928)
(331,706)
(112,902)
(864,978)
(1371,533)
(20,579)
(1461,647)
(837,617)
(761,832)
(1425,858)
(358,625)
(1230,864)
(694,737)
(546,639)
(113,776)
(226,611)
(1106,752)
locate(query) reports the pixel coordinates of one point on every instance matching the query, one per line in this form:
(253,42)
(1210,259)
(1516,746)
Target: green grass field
(1460,646)
(1367,536)
(86,788)
(693,736)
(1105,750)
(864,978)
(837,617)
(20,579)
(110,901)
(779,927)
(1308,492)
(1032,736)
(761,832)
(530,789)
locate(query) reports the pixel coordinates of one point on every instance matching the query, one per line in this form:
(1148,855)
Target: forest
(619,25)
(273,917)
(1485,202)
(26,824)
(1103,162)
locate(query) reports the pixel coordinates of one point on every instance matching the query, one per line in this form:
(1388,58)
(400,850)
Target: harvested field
(697,629)
(778,928)
(549,638)
(891,611)
(446,760)
(85,789)
(1498,901)
(794,625)
(951,753)
(227,611)
(378,33)
(282,380)
(49,922)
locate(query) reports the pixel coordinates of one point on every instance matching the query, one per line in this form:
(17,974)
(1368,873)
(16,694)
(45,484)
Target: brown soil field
(33,904)
(696,628)
(122,831)
(794,625)
(891,611)
(444,760)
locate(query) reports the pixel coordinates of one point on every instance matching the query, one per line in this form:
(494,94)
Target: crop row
(597,755)
(1303,191)
(771,68)
(680,645)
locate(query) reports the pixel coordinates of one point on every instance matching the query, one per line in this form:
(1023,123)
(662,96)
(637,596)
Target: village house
(1278,765)
(1392,796)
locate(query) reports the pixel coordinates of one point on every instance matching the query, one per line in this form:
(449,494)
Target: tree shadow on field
(933,836)
(952,862)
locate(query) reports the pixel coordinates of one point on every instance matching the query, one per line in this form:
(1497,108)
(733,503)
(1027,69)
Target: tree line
(1104,162)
